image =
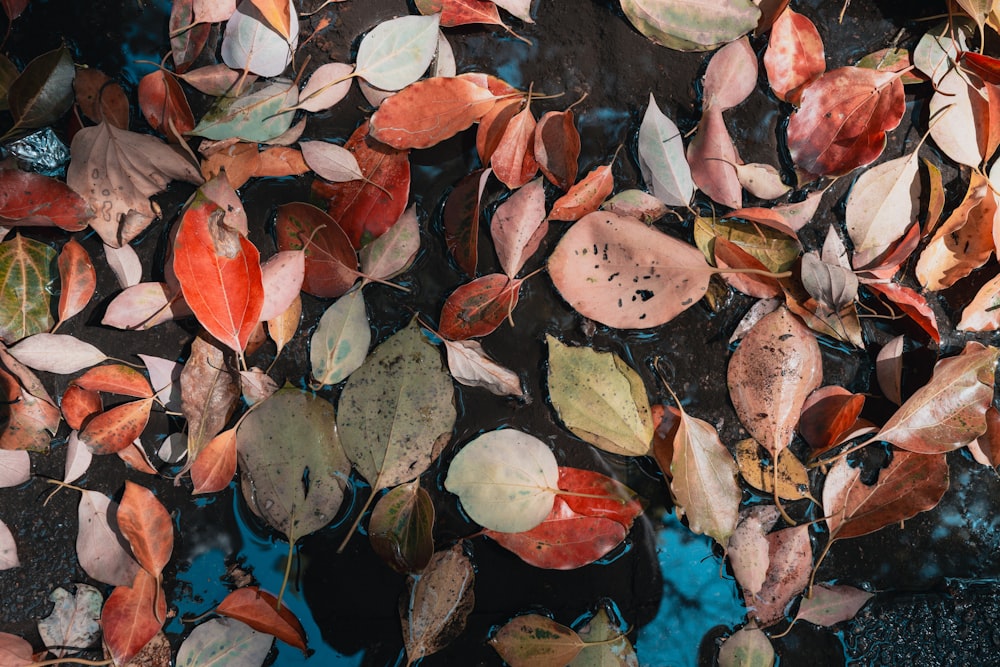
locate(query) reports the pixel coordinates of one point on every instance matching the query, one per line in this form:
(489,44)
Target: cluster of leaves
(396,412)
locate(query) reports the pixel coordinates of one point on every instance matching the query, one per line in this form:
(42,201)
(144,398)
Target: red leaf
(518,227)
(616,501)
(78,404)
(557,148)
(461,12)
(116,379)
(14,651)
(828,414)
(331,262)
(794,55)
(493,125)
(215,465)
(147,526)
(132,616)
(477,308)
(14,8)
(565,540)
(277,15)
(259,609)
(219,273)
(187,40)
(461,220)
(912,303)
(116,428)
(30,421)
(430,111)
(77,279)
(730,255)
(985,67)
(164,105)
(365,209)
(30,199)
(843,119)
(513,160)
(584,197)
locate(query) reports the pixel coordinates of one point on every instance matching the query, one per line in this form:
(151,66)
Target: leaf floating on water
(396,52)
(691,25)
(748,550)
(249,43)
(401,528)
(747,647)
(731,75)
(330,261)
(210,388)
(518,227)
(794,56)
(221,640)
(77,280)
(790,564)
(16,650)
(793,477)
(260,115)
(147,526)
(392,253)
(327,86)
(262,612)
(41,93)
(606,643)
(340,343)
(533,640)
(437,603)
(831,604)
(600,399)
(470,365)
(30,199)
(98,548)
(478,307)
(506,480)
(557,147)
(132,616)
(662,160)
(56,353)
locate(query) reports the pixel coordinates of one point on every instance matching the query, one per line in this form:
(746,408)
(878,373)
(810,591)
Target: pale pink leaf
(955,129)
(257,385)
(99,548)
(889,369)
(791,561)
(470,365)
(78,458)
(748,549)
(164,377)
(8,549)
(143,306)
(282,275)
(327,86)
(713,157)
(761,180)
(330,161)
(125,264)
(731,75)
(15,467)
(56,353)
(798,214)
(14,651)
(831,604)
(518,226)
(213,11)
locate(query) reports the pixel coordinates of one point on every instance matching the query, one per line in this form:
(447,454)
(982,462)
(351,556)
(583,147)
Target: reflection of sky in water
(143,41)
(696,598)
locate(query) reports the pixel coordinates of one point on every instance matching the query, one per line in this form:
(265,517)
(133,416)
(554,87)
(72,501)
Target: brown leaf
(100,98)
(513,161)
(132,616)
(829,414)
(210,387)
(557,147)
(437,603)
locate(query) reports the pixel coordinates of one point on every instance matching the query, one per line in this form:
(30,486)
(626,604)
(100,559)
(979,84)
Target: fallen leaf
(340,342)
(330,161)
(518,227)
(77,280)
(794,57)
(259,115)
(731,75)
(533,640)
(636,204)
(513,161)
(401,528)
(249,43)
(330,260)
(132,616)
(790,565)
(662,160)
(74,621)
(829,415)
(327,86)
(26,270)
(396,52)
(15,468)
(282,276)
(8,549)
(164,105)
(145,305)
(832,604)
(30,199)
(606,643)
(758,472)
(14,651)
(116,428)
(42,93)
(584,197)
(264,613)
(557,147)
(470,365)
(478,307)
(748,549)
(437,603)
(213,469)
(210,389)
(883,203)
(461,220)
(747,647)
(187,38)
(218,640)
(712,156)
(392,253)
(99,548)
(689,25)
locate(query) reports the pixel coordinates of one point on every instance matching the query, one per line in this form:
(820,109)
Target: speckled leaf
(791,561)
(618,271)
(600,398)
(74,621)
(661,158)
(224,641)
(506,480)
(8,549)
(437,602)
(116,428)
(692,25)
(401,528)
(294,468)
(533,640)
(340,343)
(26,270)
(606,643)
(210,387)
(793,477)
(831,604)
(747,647)
(396,52)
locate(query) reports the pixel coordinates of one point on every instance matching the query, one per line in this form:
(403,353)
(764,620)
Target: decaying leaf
(533,640)
(437,602)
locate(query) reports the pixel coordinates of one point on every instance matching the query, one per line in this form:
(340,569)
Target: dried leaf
(437,602)
(470,365)
(330,260)
(98,547)
(461,220)
(758,472)
(401,528)
(748,550)
(147,526)
(747,647)
(213,469)
(478,307)
(56,353)
(30,199)
(393,252)
(219,640)
(830,604)
(262,612)
(790,564)
(26,270)
(689,25)
(518,227)
(584,197)
(250,43)
(731,75)
(883,203)
(327,86)
(8,549)
(260,115)
(533,640)
(210,388)
(712,156)
(557,147)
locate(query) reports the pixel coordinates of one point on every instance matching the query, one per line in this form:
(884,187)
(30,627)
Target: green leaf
(401,528)
(606,644)
(692,25)
(42,93)
(397,410)
(747,647)
(26,271)
(506,480)
(259,116)
(600,399)
(222,642)
(294,469)
(340,343)
(395,53)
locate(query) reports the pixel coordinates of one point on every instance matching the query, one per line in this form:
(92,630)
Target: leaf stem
(288,571)
(66,661)
(357,521)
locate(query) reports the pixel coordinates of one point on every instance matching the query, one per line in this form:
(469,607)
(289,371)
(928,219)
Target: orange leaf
(277,13)
(116,428)
(147,526)
(259,609)
(215,465)
(78,404)
(219,273)
(794,55)
(164,105)
(828,414)
(116,379)
(493,125)
(584,197)
(278,161)
(27,198)
(513,160)
(477,308)
(461,12)
(430,111)
(132,616)
(77,279)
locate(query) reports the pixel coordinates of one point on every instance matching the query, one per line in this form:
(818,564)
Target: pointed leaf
(401,528)
(30,199)
(470,365)
(15,468)
(533,640)
(330,261)
(437,602)
(477,308)
(340,343)
(883,204)
(557,147)
(224,641)
(790,564)
(147,526)
(393,252)
(831,604)
(116,428)
(8,549)
(77,279)
(518,227)
(116,379)
(731,75)
(584,197)
(26,269)
(461,220)
(712,156)
(327,86)
(260,115)
(747,647)
(98,547)
(145,305)
(794,55)
(56,353)
(282,276)
(164,105)
(215,465)
(132,616)
(330,161)
(513,161)
(262,612)
(42,92)
(250,43)
(662,160)
(396,52)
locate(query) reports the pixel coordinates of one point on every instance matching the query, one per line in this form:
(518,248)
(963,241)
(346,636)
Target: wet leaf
(117,172)
(513,161)
(116,428)
(262,612)
(330,260)
(259,115)
(405,378)
(293,463)
(662,160)
(429,111)
(164,105)
(584,197)
(26,270)
(330,161)
(41,93)
(30,199)
(132,616)
(147,526)
(213,469)
(883,203)
(14,651)
(340,343)
(282,276)
(396,52)
(964,114)
(790,564)
(470,365)
(116,379)
(215,80)
(636,204)
(100,98)
(56,353)
(731,75)
(794,55)
(712,156)
(282,328)
(617,271)
(213,11)
(747,647)
(557,147)
(186,40)
(145,305)
(437,603)
(506,480)
(77,280)
(32,417)
(461,220)
(533,640)
(770,375)
(393,252)
(704,484)
(761,180)
(831,604)
(98,547)
(889,369)
(250,43)
(829,415)
(224,641)
(606,644)
(689,25)
(493,126)
(793,478)
(219,273)
(866,104)
(74,621)
(8,549)
(365,209)
(478,307)
(983,312)
(949,411)
(911,483)
(15,468)
(518,227)
(748,550)
(401,528)
(210,388)
(599,398)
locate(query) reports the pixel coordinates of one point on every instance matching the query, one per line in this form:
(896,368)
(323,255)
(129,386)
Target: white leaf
(124,263)
(224,641)
(250,43)
(98,548)
(78,458)
(470,365)
(395,53)
(330,161)
(143,306)
(761,180)
(955,126)
(444,63)
(506,480)
(56,353)
(74,622)
(519,8)
(661,158)
(341,341)
(15,467)
(882,205)
(8,549)
(164,377)
(283,274)
(518,226)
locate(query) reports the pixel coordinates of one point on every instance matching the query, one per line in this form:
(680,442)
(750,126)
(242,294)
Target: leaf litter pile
(364,405)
